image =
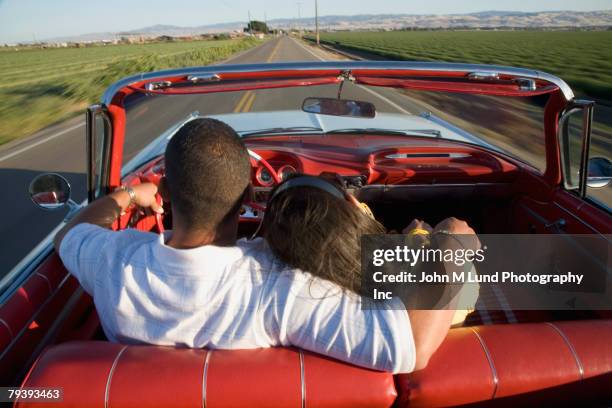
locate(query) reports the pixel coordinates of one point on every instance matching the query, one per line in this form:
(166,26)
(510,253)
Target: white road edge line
(41,141)
(382,97)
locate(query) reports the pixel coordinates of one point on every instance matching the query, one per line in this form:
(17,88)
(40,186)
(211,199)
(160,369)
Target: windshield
(513,125)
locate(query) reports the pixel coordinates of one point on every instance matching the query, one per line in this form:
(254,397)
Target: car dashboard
(365,164)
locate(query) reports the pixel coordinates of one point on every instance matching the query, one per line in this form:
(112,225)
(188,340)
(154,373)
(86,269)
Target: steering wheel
(154,177)
(275,177)
(258,159)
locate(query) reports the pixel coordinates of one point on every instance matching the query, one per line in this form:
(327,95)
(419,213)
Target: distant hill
(483,19)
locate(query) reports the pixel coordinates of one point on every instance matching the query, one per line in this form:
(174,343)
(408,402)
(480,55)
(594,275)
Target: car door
(40,302)
(581,202)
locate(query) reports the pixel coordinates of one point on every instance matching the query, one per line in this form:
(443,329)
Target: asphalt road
(61,148)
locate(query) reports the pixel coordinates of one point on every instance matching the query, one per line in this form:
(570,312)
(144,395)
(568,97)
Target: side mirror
(600,172)
(50,191)
(339,107)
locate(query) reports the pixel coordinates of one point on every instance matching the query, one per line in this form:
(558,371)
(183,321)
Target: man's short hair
(208,170)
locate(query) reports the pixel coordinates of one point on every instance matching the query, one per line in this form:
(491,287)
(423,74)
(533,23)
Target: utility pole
(266,21)
(249,24)
(317,20)
(299,15)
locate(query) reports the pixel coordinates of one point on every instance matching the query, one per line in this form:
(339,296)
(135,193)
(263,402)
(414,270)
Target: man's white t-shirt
(238,297)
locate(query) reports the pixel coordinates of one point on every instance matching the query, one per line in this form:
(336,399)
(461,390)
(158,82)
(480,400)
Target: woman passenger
(312,224)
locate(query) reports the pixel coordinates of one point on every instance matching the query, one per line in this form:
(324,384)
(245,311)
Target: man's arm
(104,211)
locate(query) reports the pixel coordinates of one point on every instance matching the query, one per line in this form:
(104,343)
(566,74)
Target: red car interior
(50,335)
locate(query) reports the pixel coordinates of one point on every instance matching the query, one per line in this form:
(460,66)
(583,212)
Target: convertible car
(510,150)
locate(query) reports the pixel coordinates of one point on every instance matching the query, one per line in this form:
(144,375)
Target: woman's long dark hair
(312,230)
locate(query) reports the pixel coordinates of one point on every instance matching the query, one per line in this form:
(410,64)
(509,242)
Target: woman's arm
(430,327)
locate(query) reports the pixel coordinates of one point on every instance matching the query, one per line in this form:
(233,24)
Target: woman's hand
(417,225)
(455,226)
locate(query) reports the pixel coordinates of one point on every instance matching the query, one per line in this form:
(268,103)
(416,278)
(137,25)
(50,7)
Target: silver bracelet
(130,192)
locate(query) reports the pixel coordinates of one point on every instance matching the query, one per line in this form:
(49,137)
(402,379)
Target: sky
(26,20)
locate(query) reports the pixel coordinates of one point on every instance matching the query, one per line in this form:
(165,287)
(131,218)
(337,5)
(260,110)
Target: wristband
(130,192)
(418,231)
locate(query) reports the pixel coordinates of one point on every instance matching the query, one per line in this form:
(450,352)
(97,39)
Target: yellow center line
(249,103)
(246,101)
(241,102)
(274,51)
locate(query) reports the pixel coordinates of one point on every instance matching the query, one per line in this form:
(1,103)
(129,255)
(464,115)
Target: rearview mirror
(339,107)
(50,191)
(600,172)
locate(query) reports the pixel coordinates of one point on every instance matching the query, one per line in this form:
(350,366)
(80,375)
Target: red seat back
(538,362)
(541,361)
(101,374)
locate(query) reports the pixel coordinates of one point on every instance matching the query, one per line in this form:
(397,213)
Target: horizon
(70,18)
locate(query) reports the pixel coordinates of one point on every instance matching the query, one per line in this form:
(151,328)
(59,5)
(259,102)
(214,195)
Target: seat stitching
(110,376)
(571,347)
(205,377)
(490,360)
(303,378)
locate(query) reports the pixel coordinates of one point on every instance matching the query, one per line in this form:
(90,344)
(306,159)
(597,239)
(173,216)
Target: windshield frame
(264,76)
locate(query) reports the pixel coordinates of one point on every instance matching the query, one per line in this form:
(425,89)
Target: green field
(581,58)
(39,87)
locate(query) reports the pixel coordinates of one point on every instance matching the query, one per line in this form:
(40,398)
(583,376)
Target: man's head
(207,171)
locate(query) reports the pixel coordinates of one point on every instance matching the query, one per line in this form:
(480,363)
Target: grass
(39,87)
(581,58)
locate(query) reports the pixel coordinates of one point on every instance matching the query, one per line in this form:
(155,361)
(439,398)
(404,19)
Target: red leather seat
(101,374)
(539,362)
(542,362)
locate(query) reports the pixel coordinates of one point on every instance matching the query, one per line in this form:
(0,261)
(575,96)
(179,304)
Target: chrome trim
(526,84)
(440,185)
(564,163)
(433,155)
(302,378)
(5,324)
(94,111)
(337,65)
(571,347)
(205,377)
(587,123)
(489,359)
(586,108)
(110,376)
(483,76)
(203,78)
(153,86)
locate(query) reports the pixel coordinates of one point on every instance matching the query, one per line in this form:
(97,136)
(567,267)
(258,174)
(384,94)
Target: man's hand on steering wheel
(143,195)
